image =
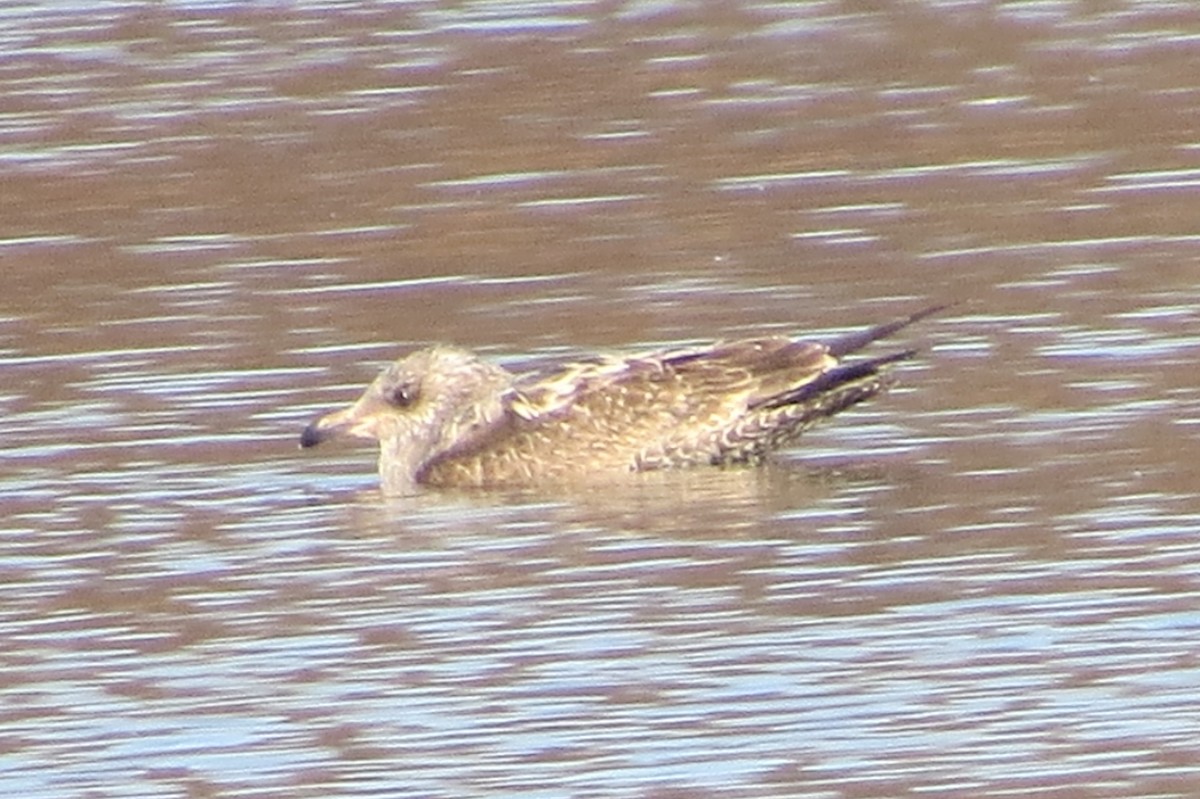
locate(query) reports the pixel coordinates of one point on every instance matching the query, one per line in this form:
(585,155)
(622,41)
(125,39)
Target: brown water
(217,220)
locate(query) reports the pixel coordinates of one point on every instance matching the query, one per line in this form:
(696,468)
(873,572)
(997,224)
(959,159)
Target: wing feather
(669,406)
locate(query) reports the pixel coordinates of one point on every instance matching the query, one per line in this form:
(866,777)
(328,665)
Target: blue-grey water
(219,219)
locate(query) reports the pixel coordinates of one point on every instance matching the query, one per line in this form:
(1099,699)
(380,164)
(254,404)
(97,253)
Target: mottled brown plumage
(443,416)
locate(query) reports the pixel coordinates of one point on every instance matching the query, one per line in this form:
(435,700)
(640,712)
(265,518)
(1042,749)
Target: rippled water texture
(219,219)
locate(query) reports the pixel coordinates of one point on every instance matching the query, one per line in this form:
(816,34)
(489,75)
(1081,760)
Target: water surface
(220,220)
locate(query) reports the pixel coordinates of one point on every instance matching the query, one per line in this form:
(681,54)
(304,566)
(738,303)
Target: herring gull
(445,417)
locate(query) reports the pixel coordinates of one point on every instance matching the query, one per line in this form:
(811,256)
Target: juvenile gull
(445,417)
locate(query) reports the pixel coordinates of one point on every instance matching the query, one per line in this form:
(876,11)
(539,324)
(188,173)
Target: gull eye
(403,395)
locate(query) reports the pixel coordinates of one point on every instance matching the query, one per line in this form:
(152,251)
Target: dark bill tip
(311,436)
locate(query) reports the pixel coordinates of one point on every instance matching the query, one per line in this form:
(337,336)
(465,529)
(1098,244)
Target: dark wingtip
(836,378)
(856,341)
